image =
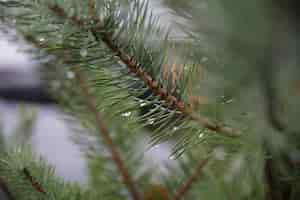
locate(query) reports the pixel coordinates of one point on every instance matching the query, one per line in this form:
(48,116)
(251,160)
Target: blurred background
(50,135)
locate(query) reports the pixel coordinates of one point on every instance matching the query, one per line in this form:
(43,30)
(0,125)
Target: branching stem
(101,126)
(156,88)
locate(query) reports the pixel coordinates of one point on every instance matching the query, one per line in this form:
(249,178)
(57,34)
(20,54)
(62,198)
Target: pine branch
(25,185)
(4,188)
(182,191)
(108,140)
(157,89)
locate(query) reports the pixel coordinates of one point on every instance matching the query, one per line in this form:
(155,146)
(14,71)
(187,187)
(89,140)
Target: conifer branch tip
(135,68)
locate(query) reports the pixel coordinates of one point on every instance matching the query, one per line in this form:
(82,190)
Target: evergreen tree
(111,66)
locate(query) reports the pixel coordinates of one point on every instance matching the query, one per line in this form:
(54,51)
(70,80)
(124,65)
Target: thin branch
(6,191)
(106,137)
(153,85)
(37,186)
(182,191)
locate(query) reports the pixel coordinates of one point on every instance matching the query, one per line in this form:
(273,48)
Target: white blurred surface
(51,134)
(50,140)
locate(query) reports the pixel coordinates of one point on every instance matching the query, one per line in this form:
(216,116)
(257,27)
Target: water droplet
(143,104)
(151,121)
(126,114)
(41,39)
(83,52)
(201,135)
(70,75)
(172,157)
(226,100)
(229,101)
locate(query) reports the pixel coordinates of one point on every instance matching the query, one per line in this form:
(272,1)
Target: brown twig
(91,104)
(153,85)
(182,191)
(37,186)
(5,190)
